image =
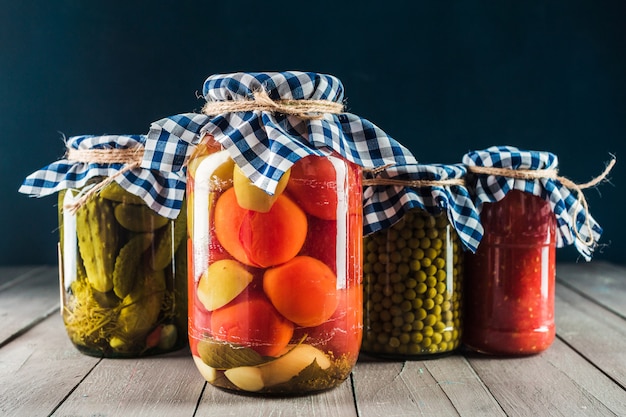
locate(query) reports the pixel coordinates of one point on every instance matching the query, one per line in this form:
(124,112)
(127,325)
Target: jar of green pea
(413,269)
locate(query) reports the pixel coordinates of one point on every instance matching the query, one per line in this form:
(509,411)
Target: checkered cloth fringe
(265,144)
(396,200)
(162,191)
(571,217)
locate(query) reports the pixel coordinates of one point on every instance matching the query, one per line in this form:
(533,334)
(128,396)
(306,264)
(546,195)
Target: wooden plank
(336,402)
(39,369)
(28,301)
(602,282)
(9,275)
(413,388)
(594,332)
(463,387)
(557,382)
(164,385)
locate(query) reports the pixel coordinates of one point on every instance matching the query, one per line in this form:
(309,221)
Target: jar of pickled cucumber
(123,266)
(526,210)
(413,269)
(275,229)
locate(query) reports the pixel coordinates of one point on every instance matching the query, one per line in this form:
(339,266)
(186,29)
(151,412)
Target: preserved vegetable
(275,212)
(123,296)
(421,223)
(412,280)
(511,278)
(122,255)
(275,279)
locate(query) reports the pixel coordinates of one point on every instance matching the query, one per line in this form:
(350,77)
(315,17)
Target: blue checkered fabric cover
(163,192)
(570,215)
(395,200)
(265,144)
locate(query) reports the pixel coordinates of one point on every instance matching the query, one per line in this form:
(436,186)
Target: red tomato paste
(510,280)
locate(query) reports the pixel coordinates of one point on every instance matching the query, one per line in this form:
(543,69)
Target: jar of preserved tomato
(275,230)
(122,264)
(276,290)
(510,278)
(526,213)
(413,270)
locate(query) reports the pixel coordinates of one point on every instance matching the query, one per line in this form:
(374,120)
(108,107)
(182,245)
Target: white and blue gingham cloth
(396,200)
(265,144)
(162,191)
(571,217)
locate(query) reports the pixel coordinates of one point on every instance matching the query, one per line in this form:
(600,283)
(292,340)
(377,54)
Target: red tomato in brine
(313,186)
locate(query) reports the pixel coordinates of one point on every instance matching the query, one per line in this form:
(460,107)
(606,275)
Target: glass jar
(510,280)
(413,272)
(275,292)
(123,275)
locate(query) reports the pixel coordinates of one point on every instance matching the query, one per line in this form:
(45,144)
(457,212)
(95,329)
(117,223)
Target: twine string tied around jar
(131,158)
(306,109)
(413,183)
(533,174)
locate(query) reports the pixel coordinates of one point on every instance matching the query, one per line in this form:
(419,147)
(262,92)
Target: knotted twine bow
(130,157)
(304,109)
(533,174)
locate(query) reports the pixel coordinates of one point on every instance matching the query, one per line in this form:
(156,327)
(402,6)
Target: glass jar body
(413,274)
(274,281)
(511,278)
(123,276)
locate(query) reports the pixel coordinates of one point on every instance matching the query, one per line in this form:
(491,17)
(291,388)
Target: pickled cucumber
(118,306)
(412,296)
(98,241)
(115,192)
(168,240)
(141,308)
(138,218)
(128,262)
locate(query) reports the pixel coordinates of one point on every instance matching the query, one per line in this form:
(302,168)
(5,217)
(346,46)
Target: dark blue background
(441,77)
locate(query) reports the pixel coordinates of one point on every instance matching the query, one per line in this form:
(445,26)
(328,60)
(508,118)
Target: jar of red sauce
(510,280)
(275,292)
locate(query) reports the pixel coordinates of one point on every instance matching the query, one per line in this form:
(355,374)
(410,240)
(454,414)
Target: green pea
(430,320)
(428,303)
(436,244)
(397,321)
(431,281)
(411,292)
(406,306)
(415,265)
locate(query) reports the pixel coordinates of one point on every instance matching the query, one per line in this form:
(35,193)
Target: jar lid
(116,157)
(269,120)
(500,169)
(434,188)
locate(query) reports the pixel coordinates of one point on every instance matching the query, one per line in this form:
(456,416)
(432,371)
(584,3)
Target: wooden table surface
(582,374)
